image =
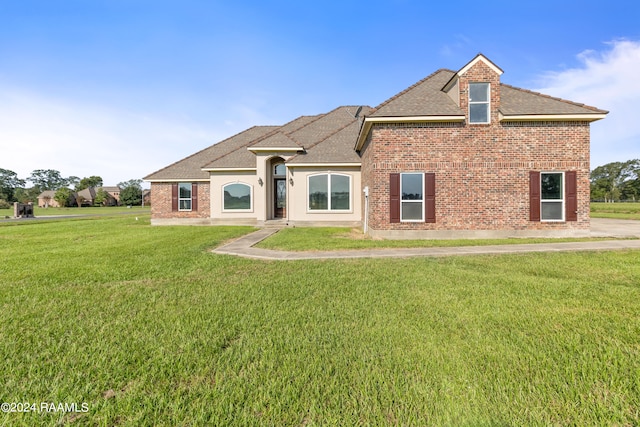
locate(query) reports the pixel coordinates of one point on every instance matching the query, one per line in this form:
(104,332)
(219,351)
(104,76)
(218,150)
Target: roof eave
(551,117)
(324,164)
(274,149)
(236,169)
(177,180)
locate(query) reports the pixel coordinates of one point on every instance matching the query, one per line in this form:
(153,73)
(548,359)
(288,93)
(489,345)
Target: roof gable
(480,57)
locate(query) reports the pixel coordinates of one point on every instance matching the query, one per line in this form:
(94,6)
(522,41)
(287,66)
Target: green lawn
(40,212)
(148,328)
(341,238)
(616,210)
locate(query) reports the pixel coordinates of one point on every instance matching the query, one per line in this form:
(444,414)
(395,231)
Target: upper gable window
(479,102)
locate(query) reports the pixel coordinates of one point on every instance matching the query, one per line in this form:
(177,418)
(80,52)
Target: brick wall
(161,202)
(482,172)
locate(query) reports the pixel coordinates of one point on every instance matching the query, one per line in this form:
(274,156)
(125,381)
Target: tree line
(616,182)
(14,189)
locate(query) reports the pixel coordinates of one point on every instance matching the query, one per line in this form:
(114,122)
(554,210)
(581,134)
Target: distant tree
(9,183)
(72,181)
(131,192)
(63,196)
(26,195)
(47,179)
(101,197)
(615,181)
(92,181)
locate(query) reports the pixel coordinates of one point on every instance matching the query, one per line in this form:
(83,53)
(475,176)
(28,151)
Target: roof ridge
(577,104)
(413,86)
(208,147)
(333,133)
(317,117)
(276,131)
(247,144)
(356,119)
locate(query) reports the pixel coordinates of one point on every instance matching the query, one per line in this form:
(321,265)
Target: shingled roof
(515,101)
(330,137)
(336,147)
(424,98)
(190,168)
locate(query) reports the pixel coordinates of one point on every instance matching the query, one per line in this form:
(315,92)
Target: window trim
(487,103)
(190,198)
(422,201)
(329,179)
(562,201)
(224,209)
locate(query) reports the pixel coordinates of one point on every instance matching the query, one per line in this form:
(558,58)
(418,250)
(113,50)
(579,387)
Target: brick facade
(482,170)
(482,173)
(161,202)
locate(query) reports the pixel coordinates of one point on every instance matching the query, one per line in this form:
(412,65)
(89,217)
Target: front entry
(280,198)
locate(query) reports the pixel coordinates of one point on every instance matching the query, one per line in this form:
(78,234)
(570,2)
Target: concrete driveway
(604,227)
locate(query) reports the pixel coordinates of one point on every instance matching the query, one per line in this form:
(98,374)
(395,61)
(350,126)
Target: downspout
(366,208)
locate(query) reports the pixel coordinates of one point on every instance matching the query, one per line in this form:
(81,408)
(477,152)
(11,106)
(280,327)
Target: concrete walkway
(244,246)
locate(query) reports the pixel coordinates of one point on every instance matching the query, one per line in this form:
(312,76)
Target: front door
(280,201)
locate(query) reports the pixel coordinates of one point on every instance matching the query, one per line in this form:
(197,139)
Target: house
(458,154)
(113,195)
(46,199)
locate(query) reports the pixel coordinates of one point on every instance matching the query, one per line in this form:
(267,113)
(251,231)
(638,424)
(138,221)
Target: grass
(616,210)
(148,328)
(106,210)
(341,238)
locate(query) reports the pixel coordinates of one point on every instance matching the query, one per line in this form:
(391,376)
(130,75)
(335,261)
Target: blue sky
(121,88)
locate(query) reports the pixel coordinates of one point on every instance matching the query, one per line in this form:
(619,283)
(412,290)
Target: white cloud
(80,139)
(607,80)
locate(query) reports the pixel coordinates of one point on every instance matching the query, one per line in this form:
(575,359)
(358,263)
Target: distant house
(46,200)
(146,197)
(114,192)
(87,197)
(458,154)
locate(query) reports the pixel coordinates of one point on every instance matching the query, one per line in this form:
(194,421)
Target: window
(236,197)
(184,196)
(412,196)
(329,192)
(552,196)
(279,170)
(479,102)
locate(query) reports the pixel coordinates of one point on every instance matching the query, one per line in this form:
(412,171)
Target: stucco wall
(298,196)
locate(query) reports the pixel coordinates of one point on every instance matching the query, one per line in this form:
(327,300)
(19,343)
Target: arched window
(279,169)
(329,192)
(236,197)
